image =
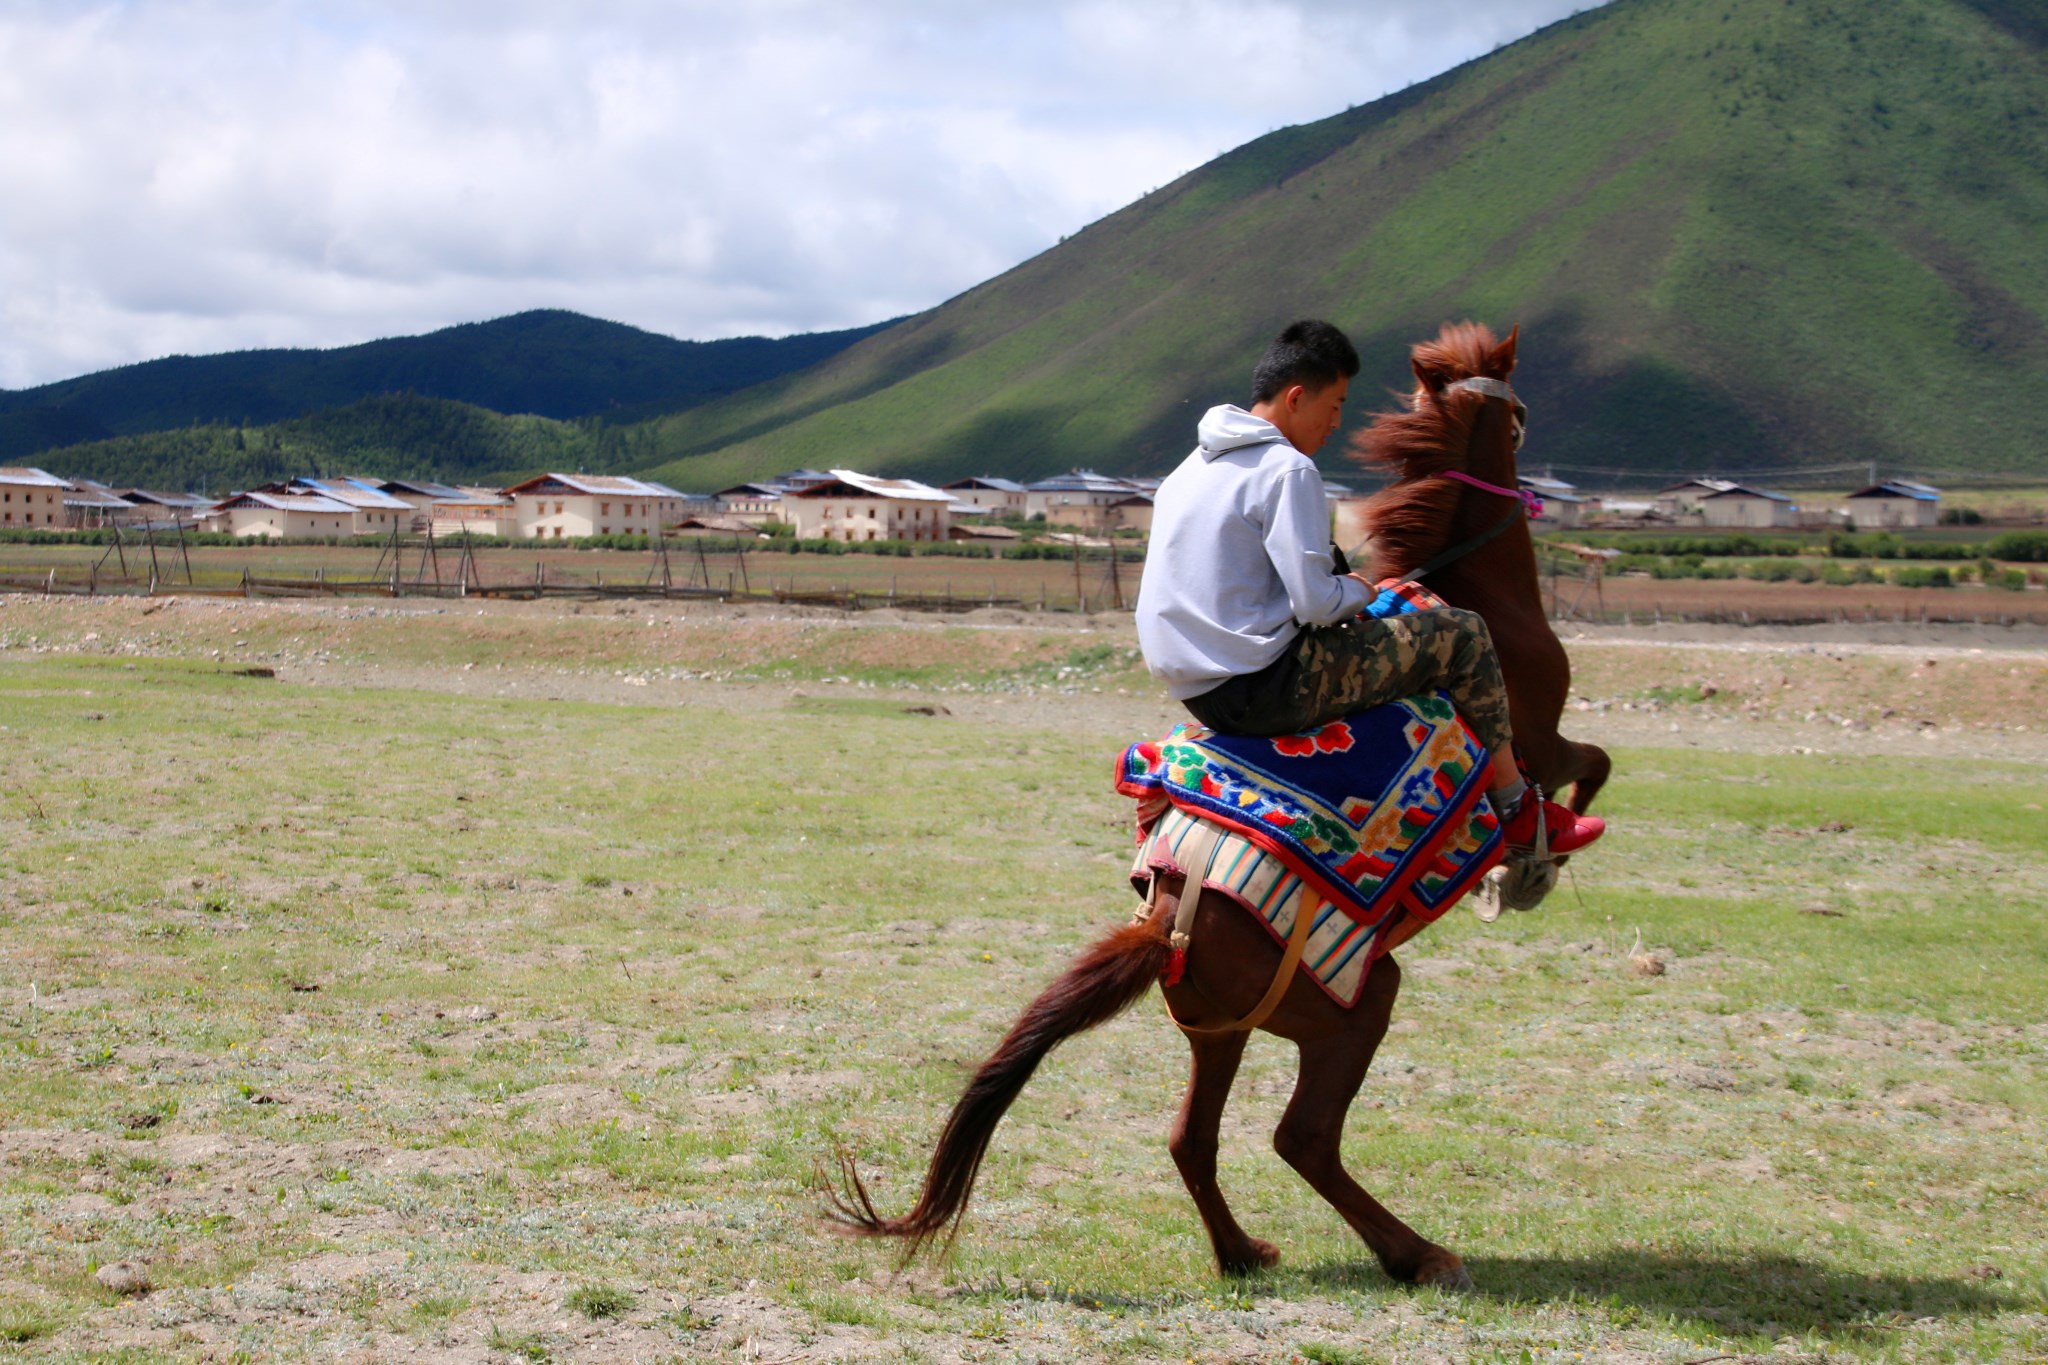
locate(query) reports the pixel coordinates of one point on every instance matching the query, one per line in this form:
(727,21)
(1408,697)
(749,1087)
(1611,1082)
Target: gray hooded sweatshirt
(1239,559)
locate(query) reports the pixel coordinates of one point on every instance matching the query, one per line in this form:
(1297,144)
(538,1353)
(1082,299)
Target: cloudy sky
(206,175)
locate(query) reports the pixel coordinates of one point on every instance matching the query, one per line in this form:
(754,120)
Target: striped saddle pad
(1380,817)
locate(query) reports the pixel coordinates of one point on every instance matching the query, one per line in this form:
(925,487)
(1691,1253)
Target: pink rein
(1531,504)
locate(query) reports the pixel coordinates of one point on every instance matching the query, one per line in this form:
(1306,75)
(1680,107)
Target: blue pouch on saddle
(1399,597)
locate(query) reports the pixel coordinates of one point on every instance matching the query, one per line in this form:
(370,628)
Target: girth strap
(1305,907)
(1197,850)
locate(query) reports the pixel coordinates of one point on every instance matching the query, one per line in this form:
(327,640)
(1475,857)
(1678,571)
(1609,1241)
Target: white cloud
(199,175)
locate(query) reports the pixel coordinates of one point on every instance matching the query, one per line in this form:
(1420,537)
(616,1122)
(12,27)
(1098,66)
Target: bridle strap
(1466,547)
(1531,504)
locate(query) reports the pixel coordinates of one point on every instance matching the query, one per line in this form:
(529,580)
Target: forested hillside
(548,363)
(393,436)
(1741,234)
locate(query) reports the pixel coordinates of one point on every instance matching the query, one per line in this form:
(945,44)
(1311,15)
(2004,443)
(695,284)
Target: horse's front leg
(1311,1133)
(1193,1144)
(1593,768)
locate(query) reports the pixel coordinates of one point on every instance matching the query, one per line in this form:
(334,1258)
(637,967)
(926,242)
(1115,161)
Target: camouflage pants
(1331,671)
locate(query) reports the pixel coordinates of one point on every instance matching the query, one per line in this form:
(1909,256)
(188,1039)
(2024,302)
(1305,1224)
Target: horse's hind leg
(1311,1133)
(1193,1145)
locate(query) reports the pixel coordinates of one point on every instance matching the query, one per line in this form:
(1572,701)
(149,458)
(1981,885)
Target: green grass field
(379,1022)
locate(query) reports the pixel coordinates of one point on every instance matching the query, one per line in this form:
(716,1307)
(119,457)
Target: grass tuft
(597,1301)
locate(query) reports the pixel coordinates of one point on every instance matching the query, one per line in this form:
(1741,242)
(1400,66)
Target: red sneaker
(1563,831)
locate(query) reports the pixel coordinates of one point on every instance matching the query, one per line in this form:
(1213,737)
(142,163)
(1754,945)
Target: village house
(449,510)
(753,503)
(1075,498)
(855,507)
(1132,512)
(90,506)
(421,495)
(373,512)
(1753,508)
(280,516)
(1003,497)
(479,512)
(561,506)
(168,510)
(1563,508)
(1683,501)
(31,497)
(1893,504)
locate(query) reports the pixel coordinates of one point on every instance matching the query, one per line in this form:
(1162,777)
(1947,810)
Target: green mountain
(550,363)
(390,436)
(1737,235)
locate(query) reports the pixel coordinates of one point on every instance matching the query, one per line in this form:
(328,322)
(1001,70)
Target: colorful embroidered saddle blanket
(1383,815)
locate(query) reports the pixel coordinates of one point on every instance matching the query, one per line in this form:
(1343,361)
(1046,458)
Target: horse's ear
(1502,361)
(1431,373)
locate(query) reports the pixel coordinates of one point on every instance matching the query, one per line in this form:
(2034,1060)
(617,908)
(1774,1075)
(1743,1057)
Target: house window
(604,530)
(604,509)
(558,511)
(558,533)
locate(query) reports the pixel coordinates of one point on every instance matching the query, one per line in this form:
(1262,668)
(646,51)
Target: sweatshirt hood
(1227,427)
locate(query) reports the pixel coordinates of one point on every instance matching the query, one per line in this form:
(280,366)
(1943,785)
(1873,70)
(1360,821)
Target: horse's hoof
(1258,1255)
(1448,1274)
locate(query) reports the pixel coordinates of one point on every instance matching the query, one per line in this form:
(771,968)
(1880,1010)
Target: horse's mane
(1407,521)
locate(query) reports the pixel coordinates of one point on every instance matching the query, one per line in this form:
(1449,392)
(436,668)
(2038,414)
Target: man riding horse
(1246,618)
(1350,834)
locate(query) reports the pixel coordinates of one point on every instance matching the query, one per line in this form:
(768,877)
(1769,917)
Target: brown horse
(1424,513)
(1234,959)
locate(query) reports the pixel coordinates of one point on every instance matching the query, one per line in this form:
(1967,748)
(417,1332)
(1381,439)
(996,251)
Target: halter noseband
(1492,388)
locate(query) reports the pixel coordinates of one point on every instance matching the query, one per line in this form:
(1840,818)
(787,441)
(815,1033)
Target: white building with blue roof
(1892,504)
(1753,508)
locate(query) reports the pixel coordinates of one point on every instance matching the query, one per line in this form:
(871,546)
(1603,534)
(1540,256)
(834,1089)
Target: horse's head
(1451,447)
(1465,359)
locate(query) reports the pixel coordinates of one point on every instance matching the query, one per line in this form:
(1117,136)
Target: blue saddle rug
(1382,814)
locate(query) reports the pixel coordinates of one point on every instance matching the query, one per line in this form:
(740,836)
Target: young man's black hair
(1311,353)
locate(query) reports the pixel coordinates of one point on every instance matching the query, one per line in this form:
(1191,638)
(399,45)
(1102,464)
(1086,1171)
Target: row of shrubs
(134,540)
(2022,546)
(949,549)
(1830,571)
(899,549)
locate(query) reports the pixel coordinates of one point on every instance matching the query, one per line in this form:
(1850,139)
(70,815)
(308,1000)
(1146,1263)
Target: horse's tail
(1107,978)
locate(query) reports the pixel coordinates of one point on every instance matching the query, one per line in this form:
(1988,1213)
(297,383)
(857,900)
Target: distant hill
(1739,235)
(548,363)
(389,436)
